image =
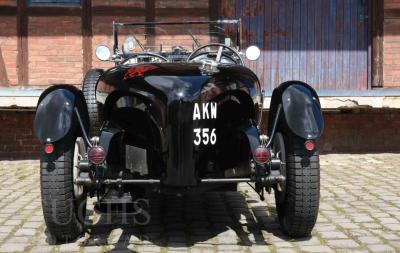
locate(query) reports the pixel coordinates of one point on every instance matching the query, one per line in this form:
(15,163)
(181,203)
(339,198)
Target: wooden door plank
(296,40)
(318,44)
(362,81)
(310,72)
(303,41)
(325,45)
(289,41)
(267,44)
(346,45)
(377,43)
(353,46)
(281,38)
(251,12)
(274,44)
(339,44)
(332,45)
(260,11)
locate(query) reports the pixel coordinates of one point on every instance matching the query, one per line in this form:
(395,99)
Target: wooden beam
(390,13)
(22,43)
(182,12)
(3,71)
(48,11)
(8,11)
(87,35)
(213,10)
(118,11)
(377,43)
(150,17)
(142,12)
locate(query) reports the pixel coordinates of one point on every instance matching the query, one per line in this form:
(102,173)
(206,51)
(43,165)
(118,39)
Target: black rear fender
(301,109)
(55,112)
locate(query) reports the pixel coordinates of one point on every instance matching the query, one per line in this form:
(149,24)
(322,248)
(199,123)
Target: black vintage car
(179,112)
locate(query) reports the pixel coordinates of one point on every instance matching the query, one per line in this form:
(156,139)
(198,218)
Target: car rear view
(179,112)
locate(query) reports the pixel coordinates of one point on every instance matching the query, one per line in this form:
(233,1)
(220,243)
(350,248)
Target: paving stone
(6,229)
(25,232)
(369,239)
(381,248)
(13,222)
(32,224)
(228,248)
(92,249)
(316,249)
(18,239)
(313,241)
(286,250)
(13,247)
(42,249)
(393,227)
(345,243)
(259,249)
(332,235)
(358,213)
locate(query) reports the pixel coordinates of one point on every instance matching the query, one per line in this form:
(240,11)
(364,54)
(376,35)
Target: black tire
(298,208)
(89,92)
(63,213)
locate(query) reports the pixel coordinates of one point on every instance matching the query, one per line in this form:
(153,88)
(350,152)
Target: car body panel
(301,109)
(54,115)
(302,112)
(170,92)
(55,112)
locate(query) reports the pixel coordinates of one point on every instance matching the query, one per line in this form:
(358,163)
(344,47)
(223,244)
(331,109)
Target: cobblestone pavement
(359,212)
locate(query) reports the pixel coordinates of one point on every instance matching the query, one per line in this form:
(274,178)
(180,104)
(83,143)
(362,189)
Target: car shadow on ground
(214,218)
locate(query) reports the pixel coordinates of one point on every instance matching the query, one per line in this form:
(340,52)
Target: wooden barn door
(322,42)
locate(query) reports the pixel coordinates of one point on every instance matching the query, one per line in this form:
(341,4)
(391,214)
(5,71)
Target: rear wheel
(64,205)
(89,92)
(297,201)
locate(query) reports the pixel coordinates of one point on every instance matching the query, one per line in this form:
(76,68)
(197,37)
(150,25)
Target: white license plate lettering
(205,111)
(205,136)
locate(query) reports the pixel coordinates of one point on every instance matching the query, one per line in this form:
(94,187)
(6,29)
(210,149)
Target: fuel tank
(184,103)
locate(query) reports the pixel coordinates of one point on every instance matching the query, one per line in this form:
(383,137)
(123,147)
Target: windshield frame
(117,26)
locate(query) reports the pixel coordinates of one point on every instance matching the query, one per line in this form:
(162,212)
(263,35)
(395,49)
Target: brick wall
(55,43)
(391,45)
(365,131)
(16,138)
(55,50)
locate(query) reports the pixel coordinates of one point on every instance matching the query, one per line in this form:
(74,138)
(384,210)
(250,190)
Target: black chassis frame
(266,176)
(288,99)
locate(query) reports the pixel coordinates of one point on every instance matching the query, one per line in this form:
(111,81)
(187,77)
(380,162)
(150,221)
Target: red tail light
(96,155)
(261,155)
(48,148)
(309,145)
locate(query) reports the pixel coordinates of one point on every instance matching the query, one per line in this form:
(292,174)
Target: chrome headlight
(253,53)
(103,53)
